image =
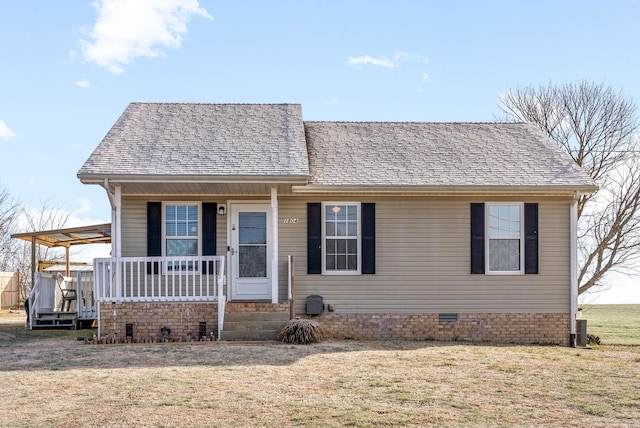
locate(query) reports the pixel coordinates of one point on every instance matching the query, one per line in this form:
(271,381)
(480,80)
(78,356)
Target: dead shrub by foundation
(592,339)
(301,332)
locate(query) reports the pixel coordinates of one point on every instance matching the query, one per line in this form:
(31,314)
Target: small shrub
(592,339)
(301,332)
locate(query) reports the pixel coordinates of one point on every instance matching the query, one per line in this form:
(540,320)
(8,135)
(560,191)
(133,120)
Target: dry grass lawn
(51,379)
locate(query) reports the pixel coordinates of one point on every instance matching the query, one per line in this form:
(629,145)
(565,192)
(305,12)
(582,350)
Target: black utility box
(315,305)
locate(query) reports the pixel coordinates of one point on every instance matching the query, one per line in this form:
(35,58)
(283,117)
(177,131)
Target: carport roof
(95,234)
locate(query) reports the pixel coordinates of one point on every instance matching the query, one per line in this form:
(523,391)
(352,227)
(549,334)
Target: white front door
(250,238)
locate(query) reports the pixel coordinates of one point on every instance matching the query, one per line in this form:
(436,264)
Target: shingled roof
(263,142)
(436,154)
(214,140)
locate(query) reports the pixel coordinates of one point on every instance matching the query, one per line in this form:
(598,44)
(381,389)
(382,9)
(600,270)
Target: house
(389,230)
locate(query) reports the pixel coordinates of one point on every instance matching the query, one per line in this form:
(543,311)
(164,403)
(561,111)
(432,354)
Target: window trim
(325,271)
(164,233)
(488,239)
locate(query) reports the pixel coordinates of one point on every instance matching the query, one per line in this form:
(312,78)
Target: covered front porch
(186,251)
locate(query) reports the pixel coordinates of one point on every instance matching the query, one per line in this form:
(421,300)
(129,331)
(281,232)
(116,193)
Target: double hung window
(341,235)
(505,241)
(181,234)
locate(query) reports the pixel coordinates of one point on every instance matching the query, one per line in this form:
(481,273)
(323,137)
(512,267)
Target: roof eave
(115,178)
(444,190)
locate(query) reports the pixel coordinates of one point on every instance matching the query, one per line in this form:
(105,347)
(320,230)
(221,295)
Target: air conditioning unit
(581,327)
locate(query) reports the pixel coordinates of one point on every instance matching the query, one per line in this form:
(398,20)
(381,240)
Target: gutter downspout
(573,268)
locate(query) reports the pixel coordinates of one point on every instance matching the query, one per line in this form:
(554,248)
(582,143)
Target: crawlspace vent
(447,317)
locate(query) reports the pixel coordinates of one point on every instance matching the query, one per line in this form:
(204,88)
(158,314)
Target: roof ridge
(214,104)
(415,122)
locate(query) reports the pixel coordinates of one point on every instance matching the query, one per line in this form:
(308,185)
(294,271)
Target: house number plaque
(290,220)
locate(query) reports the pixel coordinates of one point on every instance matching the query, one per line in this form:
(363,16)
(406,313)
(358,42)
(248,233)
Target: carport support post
(68,263)
(33,262)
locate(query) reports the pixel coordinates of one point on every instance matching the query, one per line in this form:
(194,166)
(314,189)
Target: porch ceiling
(199,188)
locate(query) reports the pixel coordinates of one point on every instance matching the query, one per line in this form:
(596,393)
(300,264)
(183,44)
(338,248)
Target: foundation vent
(447,317)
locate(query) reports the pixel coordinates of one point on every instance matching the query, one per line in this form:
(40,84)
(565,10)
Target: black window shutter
(477,238)
(368,232)
(314,238)
(154,233)
(531,238)
(209,215)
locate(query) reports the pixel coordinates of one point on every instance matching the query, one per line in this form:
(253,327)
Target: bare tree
(46,217)
(9,210)
(597,127)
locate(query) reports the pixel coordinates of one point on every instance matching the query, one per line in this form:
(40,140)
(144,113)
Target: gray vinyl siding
(134,225)
(422,258)
(423,262)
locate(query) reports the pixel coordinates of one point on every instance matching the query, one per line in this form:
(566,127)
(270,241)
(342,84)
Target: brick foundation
(148,318)
(497,327)
(183,319)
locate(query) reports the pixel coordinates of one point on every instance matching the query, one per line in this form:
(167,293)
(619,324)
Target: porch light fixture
(222,209)
(335,209)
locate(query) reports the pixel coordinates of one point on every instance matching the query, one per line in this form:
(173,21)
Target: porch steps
(55,319)
(254,325)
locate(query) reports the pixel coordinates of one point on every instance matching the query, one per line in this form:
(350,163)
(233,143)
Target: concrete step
(250,335)
(256,316)
(251,325)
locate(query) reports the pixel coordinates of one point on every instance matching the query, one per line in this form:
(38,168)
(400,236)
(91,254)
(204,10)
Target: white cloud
(128,29)
(425,77)
(84,205)
(366,59)
(396,60)
(400,57)
(82,83)
(332,102)
(6,132)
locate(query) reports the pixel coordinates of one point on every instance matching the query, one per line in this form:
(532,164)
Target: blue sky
(69,69)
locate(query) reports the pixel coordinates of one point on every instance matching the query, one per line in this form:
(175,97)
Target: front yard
(51,379)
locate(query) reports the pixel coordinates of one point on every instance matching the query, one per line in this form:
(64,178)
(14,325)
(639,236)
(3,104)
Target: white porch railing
(42,296)
(86,303)
(159,279)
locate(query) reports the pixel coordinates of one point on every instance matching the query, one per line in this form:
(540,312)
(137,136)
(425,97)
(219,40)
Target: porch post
(274,240)
(118,212)
(115,238)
